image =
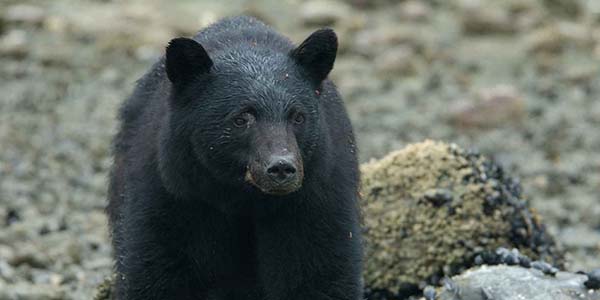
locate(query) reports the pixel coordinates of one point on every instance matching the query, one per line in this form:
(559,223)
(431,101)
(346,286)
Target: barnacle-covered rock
(430,208)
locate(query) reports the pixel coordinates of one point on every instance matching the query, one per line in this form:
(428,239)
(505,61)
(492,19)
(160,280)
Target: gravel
(66,65)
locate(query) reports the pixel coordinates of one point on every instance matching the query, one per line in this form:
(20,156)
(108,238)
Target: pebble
(564,8)
(555,37)
(524,261)
(486,19)
(56,24)
(147,53)
(14,44)
(495,106)
(414,10)
(438,197)
(429,293)
(399,60)
(43,277)
(545,267)
(385,37)
(479,260)
(29,258)
(25,14)
(593,281)
(6,271)
(323,12)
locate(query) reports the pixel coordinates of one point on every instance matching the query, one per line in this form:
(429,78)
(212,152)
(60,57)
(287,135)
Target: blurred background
(516,79)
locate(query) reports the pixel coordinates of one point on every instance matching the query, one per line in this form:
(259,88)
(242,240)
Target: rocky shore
(516,79)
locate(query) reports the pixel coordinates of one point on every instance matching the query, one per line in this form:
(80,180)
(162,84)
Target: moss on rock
(431,207)
(105,290)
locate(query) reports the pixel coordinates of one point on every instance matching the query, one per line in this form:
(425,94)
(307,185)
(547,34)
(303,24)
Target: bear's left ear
(186,59)
(316,54)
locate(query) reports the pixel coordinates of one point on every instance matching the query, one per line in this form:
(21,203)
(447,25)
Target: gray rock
(513,283)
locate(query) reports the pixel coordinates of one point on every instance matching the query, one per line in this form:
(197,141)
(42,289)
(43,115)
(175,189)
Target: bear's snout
(279,174)
(281,169)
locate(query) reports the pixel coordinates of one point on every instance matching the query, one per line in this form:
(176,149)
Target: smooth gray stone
(516,283)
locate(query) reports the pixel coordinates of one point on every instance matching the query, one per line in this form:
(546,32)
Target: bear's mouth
(272,187)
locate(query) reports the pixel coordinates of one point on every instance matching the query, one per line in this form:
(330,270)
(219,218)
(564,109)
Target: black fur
(189,217)
(186,59)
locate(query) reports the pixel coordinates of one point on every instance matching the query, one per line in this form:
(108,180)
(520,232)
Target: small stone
(438,197)
(396,61)
(511,259)
(414,10)
(42,277)
(496,106)
(11,216)
(323,12)
(56,24)
(14,44)
(6,271)
(479,260)
(593,281)
(110,75)
(486,19)
(554,38)
(147,53)
(524,261)
(25,14)
(429,292)
(545,267)
(563,8)
(29,258)
(546,40)
(386,37)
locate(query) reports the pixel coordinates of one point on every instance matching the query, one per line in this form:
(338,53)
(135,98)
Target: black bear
(235,173)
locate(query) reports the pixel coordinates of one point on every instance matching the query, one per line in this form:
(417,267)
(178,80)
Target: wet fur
(179,232)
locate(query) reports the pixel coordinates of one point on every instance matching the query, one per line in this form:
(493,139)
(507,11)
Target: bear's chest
(226,245)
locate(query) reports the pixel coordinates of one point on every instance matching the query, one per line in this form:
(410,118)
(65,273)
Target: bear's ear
(316,54)
(186,59)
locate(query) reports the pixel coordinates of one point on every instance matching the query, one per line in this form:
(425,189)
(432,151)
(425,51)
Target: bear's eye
(243,120)
(299,118)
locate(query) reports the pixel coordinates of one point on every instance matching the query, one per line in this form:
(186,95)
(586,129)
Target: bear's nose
(281,168)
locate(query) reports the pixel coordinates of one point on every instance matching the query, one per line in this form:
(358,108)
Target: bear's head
(250,114)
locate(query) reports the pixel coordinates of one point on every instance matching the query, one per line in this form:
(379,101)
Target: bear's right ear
(186,59)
